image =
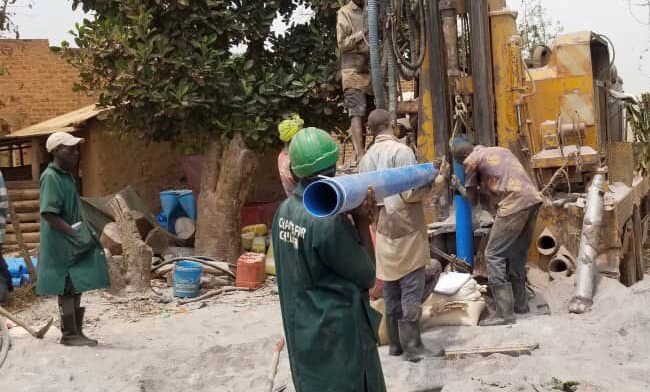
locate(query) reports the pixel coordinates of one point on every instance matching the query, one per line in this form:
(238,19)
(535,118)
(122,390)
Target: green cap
(312,150)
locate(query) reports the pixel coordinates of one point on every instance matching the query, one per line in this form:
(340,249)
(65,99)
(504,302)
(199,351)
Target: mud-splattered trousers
(507,248)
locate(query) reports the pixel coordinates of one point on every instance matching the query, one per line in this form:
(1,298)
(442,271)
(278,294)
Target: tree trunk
(206,223)
(185,229)
(110,239)
(158,240)
(222,198)
(136,254)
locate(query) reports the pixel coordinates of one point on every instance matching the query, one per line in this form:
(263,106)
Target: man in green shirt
(324,274)
(71,260)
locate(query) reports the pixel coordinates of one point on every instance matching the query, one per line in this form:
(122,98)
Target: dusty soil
(225,344)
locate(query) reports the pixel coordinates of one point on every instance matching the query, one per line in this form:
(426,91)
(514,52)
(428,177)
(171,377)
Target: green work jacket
(81,256)
(324,274)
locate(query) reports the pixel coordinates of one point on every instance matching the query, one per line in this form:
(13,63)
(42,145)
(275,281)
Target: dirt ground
(225,344)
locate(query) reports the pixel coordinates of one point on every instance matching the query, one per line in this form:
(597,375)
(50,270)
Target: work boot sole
(78,341)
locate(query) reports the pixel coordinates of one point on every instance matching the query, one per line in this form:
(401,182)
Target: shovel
(37,334)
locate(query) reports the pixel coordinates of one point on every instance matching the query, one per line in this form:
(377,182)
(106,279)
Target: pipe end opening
(546,245)
(558,266)
(320,199)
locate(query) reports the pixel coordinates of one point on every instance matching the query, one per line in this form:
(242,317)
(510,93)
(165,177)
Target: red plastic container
(254,213)
(251,270)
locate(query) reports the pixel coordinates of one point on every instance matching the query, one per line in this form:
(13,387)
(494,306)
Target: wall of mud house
(110,163)
(35,84)
(266,186)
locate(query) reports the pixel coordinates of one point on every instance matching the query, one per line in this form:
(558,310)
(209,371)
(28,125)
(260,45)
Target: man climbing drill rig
(351,31)
(497,173)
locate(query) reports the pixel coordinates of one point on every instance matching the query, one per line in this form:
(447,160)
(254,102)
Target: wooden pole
(36,159)
(21,243)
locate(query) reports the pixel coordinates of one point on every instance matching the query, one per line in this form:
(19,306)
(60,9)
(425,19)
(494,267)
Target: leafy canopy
(172,71)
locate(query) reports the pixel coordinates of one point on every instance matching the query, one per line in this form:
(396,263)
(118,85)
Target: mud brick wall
(35,84)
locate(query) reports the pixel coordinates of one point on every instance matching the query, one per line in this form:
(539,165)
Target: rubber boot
(426,352)
(505,306)
(409,331)
(69,334)
(79,319)
(520,295)
(394,345)
(4,291)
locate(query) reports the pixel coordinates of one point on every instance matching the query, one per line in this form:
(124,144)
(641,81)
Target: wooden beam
(36,159)
(512,350)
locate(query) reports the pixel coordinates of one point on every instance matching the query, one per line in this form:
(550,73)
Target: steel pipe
(334,195)
(546,243)
(562,264)
(588,251)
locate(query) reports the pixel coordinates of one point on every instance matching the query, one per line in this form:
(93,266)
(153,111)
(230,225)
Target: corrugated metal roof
(63,123)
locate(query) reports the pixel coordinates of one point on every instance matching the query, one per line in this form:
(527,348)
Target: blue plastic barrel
(187,279)
(23,266)
(16,282)
(25,278)
(169,202)
(188,203)
(15,267)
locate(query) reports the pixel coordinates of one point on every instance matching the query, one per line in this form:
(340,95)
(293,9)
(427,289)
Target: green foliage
(535,27)
(168,69)
(7,26)
(638,120)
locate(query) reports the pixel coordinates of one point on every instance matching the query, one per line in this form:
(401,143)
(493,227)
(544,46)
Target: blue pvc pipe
(331,196)
(464,229)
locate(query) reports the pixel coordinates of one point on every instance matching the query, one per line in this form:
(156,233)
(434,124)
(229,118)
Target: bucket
(169,202)
(188,203)
(187,279)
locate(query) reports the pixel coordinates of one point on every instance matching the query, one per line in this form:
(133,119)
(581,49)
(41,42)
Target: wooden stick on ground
(37,334)
(213,293)
(513,350)
(21,243)
(274,365)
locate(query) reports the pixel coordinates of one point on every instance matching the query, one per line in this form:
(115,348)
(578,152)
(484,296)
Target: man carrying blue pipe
(402,247)
(497,173)
(324,274)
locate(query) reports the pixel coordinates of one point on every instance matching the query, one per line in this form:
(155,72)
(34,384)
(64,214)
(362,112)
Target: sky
(624,22)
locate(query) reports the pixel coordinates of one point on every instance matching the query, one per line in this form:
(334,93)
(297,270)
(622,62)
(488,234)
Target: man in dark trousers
(324,274)
(351,31)
(402,249)
(71,259)
(497,173)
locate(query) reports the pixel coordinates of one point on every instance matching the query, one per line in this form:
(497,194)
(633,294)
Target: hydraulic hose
(375,55)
